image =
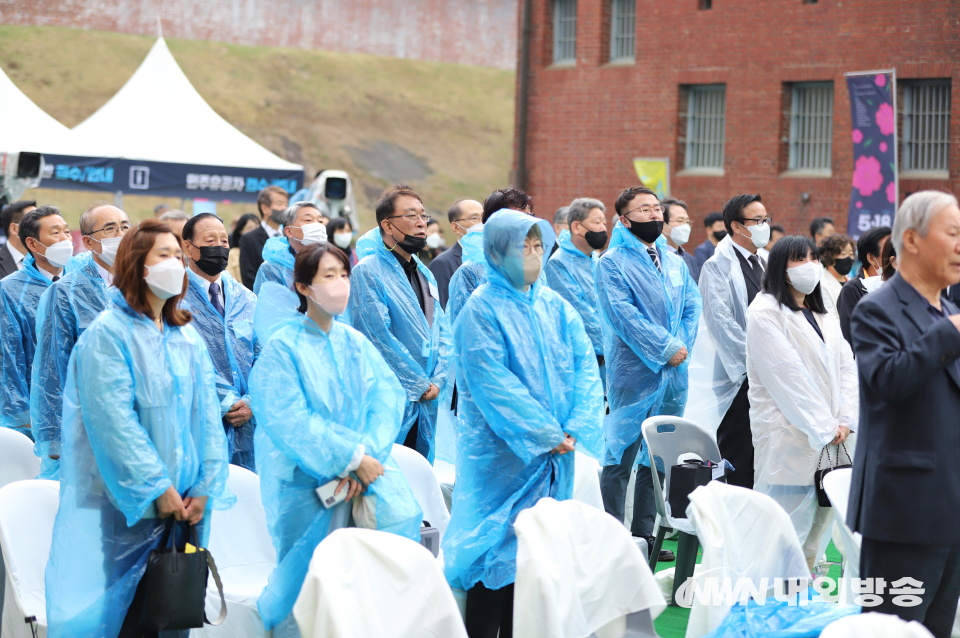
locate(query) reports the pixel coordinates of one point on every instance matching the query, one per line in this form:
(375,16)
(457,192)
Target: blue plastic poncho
(144,417)
(277,266)
(65,310)
(384,307)
(469,276)
(570,273)
(20,294)
(527,374)
(317,396)
(647,318)
(233,348)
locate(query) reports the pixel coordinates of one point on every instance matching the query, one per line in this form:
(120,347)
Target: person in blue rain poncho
(396,305)
(570,270)
(301,228)
(650,309)
(529,392)
(66,309)
(142,442)
(46,236)
(223,312)
(328,409)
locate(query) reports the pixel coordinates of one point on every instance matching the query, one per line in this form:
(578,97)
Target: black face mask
(213,259)
(411,244)
(719,235)
(646,231)
(843,266)
(276,216)
(596,240)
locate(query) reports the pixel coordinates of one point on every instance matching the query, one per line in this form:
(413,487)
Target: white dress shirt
(17,255)
(271,231)
(106,274)
(206,288)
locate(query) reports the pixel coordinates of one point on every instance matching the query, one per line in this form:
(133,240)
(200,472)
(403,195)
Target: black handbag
(176,585)
(822,498)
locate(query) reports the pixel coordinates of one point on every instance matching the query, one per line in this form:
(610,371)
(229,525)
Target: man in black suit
(271,202)
(462,215)
(906,468)
(13,252)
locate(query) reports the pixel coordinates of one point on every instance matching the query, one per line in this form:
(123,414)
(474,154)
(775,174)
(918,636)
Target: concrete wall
(476,32)
(588,121)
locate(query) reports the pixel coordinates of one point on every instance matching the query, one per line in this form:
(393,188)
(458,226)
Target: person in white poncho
(803,387)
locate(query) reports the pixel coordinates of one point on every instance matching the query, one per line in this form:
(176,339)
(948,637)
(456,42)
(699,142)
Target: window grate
(706,117)
(623,30)
(811,126)
(926,125)
(564,31)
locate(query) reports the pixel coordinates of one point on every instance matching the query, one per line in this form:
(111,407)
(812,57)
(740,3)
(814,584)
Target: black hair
(187,232)
(778,228)
(712,218)
(733,209)
(832,246)
(337,224)
(13,213)
(512,198)
(626,196)
(888,253)
(308,262)
(817,225)
(386,205)
(672,201)
(869,244)
(791,247)
(245,219)
(30,224)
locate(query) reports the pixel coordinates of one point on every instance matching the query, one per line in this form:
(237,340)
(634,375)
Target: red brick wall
(588,122)
(476,32)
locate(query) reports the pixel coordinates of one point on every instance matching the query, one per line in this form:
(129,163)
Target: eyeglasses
(413,217)
(532,248)
(758,222)
(470,220)
(113,230)
(646,210)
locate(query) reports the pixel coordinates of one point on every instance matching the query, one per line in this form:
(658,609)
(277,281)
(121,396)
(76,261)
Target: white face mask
(315,233)
(59,253)
(433,241)
(872,283)
(759,235)
(680,234)
(166,278)
(532,264)
(806,277)
(476,228)
(108,249)
(343,239)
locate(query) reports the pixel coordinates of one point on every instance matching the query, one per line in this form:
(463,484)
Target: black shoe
(666,556)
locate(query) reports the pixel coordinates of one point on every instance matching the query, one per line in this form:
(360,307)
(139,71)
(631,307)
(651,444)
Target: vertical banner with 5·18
(873,117)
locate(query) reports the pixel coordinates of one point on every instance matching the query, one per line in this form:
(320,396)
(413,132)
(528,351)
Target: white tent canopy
(24,126)
(158,116)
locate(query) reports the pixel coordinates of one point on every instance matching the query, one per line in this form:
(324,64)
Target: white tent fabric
(578,573)
(158,116)
(24,126)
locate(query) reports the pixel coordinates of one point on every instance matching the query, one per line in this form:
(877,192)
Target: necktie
(757,268)
(655,257)
(215,297)
(56,278)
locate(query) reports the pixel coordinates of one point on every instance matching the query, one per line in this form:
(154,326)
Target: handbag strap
(826,448)
(844,447)
(216,578)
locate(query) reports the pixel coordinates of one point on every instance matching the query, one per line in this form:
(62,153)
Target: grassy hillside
(446,129)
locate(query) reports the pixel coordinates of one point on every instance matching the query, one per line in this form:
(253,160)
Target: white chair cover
(446,476)
(362,582)
(245,556)
(578,573)
(837,486)
(586,480)
(874,625)
(17,460)
(426,488)
(744,534)
(27,512)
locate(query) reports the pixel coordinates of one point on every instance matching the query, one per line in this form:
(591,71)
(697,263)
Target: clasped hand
(369,471)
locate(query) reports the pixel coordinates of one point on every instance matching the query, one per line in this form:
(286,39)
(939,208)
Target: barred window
(811,126)
(564,31)
(706,117)
(623,30)
(926,125)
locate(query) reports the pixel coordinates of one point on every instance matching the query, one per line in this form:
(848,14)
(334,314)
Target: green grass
(306,106)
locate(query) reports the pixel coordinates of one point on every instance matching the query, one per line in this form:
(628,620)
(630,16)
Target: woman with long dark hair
(142,441)
(803,393)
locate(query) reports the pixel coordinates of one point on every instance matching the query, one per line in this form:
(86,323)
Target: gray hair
(290,215)
(560,217)
(86,217)
(174,215)
(581,207)
(916,212)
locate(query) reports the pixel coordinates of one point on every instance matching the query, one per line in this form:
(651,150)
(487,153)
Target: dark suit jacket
(251,255)
(850,295)
(443,268)
(7,265)
(907,462)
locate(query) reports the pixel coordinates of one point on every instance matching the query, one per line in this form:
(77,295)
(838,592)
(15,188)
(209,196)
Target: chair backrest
(239,535)
(423,482)
(27,512)
(398,589)
(837,486)
(670,438)
(17,460)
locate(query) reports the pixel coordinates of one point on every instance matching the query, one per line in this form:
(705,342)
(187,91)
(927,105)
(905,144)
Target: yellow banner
(654,174)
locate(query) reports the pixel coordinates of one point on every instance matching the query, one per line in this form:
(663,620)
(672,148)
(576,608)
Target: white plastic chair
(586,480)
(242,547)
(446,476)
(837,486)
(27,513)
(17,460)
(397,589)
(425,486)
(579,573)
